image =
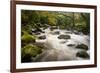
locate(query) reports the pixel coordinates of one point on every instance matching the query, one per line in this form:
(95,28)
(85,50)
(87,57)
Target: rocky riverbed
(62,45)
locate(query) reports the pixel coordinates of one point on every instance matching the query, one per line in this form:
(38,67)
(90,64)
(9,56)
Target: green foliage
(65,20)
(30,51)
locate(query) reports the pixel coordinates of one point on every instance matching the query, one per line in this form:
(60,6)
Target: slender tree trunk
(73,25)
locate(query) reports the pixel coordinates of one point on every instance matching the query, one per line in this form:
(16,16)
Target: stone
(64,37)
(42,37)
(71,45)
(68,32)
(56,33)
(53,27)
(37,33)
(82,46)
(82,54)
(76,32)
(63,42)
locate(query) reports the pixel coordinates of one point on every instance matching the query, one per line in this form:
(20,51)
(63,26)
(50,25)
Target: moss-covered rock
(29,51)
(27,38)
(82,54)
(64,37)
(82,46)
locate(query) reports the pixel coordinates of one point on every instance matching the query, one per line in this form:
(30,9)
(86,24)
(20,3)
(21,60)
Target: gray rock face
(42,37)
(82,54)
(64,37)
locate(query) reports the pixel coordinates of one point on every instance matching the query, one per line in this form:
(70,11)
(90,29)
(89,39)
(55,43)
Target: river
(58,49)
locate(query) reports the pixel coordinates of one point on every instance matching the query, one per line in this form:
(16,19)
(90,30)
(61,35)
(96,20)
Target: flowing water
(58,49)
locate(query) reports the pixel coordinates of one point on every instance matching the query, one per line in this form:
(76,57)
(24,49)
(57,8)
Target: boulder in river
(68,32)
(42,37)
(53,27)
(56,33)
(64,37)
(82,54)
(71,45)
(82,46)
(76,32)
(63,42)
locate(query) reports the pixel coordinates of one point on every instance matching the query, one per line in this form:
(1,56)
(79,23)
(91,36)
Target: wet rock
(62,42)
(37,33)
(82,54)
(76,32)
(71,45)
(64,37)
(53,27)
(68,32)
(56,33)
(82,46)
(42,37)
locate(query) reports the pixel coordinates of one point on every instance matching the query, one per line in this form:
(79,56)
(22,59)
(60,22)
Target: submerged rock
(56,33)
(82,46)
(37,31)
(76,32)
(68,32)
(82,54)
(42,37)
(71,45)
(64,37)
(62,42)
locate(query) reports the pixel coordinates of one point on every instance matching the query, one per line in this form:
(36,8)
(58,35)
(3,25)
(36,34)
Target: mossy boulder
(29,51)
(82,54)
(27,38)
(82,46)
(64,37)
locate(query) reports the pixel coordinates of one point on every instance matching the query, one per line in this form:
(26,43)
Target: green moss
(27,38)
(30,51)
